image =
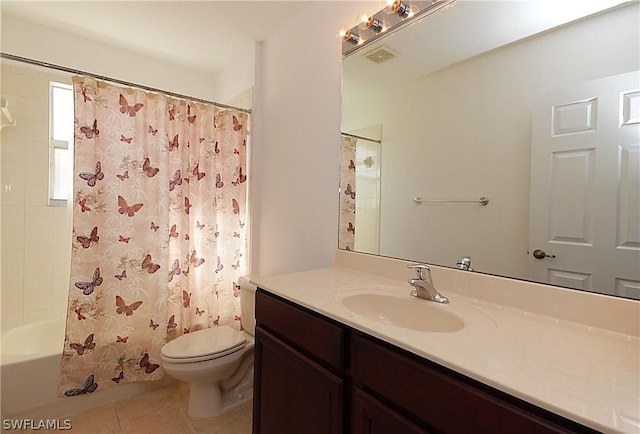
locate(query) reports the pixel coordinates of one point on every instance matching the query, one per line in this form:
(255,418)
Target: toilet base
(209,400)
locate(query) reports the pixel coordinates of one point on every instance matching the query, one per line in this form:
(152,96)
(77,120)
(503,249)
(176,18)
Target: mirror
(532,104)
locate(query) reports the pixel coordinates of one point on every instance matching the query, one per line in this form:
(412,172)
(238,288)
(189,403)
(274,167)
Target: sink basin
(405,312)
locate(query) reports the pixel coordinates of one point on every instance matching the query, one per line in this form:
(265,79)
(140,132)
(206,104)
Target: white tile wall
(36,238)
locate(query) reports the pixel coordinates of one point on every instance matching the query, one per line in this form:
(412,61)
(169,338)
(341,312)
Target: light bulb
(351,37)
(391,6)
(399,8)
(371,23)
(342,31)
(363,20)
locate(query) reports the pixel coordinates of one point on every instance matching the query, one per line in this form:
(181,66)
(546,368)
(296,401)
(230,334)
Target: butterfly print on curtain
(125,108)
(175,270)
(87,241)
(176,180)
(88,287)
(124,208)
(118,378)
(78,312)
(148,169)
(144,203)
(123,308)
(92,178)
(81,348)
(199,175)
(83,205)
(85,97)
(173,144)
(147,264)
(146,365)
(91,131)
(173,233)
(89,387)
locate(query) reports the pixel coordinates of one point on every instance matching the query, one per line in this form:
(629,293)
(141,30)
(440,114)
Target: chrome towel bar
(484,201)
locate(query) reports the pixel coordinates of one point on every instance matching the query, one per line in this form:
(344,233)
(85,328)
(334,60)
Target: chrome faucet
(424,285)
(464,263)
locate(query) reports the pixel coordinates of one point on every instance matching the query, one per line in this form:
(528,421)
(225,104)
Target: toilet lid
(212,342)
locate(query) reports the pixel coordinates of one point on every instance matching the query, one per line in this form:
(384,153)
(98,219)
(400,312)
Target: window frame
(56,145)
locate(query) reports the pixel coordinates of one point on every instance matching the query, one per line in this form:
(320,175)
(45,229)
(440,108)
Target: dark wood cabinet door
(372,417)
(293,394)
(446,403)
(306,332)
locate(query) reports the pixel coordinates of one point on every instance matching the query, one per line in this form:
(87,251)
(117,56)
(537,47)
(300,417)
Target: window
(60,144)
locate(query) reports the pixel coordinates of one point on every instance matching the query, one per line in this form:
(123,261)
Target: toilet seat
(206,344)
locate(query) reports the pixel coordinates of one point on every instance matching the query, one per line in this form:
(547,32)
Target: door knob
(540,254)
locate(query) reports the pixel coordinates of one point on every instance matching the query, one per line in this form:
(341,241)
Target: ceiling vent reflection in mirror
(393,17)
(379,55)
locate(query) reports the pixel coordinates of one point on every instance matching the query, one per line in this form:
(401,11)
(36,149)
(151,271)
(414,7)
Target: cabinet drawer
(307,332)
(445,403)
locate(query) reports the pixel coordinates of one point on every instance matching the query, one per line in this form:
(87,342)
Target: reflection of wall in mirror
(476,141)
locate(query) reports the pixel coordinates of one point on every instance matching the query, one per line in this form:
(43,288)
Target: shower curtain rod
(361,137)
(115,80)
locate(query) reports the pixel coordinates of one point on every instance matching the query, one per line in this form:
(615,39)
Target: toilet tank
(248,305)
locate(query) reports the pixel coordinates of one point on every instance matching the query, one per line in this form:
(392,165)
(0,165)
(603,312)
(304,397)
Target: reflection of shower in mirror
(368,162)
(6,114)
(367,218)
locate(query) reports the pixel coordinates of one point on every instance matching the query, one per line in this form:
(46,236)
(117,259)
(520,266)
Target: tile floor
(159,411)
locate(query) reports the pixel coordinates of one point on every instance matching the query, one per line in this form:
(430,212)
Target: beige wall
(296,144)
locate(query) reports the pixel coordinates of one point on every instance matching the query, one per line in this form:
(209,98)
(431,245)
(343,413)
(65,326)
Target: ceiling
(452,35)
(179,32)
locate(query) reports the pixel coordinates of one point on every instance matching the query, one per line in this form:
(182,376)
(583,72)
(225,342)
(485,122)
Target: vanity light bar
(382,22)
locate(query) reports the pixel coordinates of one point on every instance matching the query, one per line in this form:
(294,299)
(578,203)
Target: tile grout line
(180,404)
(115,409)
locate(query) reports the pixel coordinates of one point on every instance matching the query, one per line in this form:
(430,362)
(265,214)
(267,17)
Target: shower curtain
(159,224)
(347,223)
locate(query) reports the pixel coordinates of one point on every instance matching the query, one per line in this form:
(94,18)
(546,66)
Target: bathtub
(29,372)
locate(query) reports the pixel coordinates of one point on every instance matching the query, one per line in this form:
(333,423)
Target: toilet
(216,362)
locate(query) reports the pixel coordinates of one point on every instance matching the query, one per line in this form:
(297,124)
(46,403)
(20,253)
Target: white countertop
(587,374)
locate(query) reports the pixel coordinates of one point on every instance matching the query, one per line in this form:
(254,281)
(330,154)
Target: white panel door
(585,187)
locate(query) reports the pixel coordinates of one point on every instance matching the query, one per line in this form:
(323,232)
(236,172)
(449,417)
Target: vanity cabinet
(315,375)
(440,400)
(299,364)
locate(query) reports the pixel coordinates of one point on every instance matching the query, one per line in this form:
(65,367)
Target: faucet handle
(420,269)
(464,263)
